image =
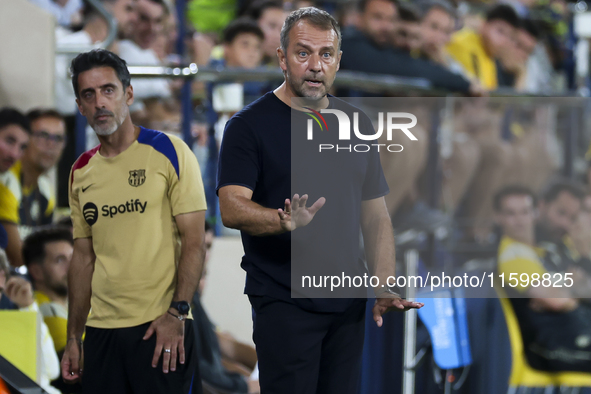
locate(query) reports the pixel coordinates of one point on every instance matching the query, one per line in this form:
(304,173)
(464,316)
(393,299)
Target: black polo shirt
(256,153)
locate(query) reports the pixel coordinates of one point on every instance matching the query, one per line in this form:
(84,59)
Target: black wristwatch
(182,306)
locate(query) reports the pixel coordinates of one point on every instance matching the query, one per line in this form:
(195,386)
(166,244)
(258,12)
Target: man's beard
(297,86)
(106,130)
(60,288)
(61,291)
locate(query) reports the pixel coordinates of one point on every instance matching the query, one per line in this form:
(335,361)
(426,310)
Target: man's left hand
(383,305)
(170,334)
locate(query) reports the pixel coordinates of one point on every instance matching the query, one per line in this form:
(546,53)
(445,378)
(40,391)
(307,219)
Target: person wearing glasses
(47,142)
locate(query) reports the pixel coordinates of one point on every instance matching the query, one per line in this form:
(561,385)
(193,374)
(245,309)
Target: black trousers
(303,352)
(119,361)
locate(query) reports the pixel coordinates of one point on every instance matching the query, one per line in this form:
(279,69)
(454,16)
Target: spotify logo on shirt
(90,212)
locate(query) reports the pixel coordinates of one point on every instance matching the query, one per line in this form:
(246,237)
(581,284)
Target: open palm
(295,214)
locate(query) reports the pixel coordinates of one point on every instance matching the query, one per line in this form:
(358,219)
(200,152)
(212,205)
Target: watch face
(183,307)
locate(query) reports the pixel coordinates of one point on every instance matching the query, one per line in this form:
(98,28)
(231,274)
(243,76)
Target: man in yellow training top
(14,137)
(477,51)
(47,143)
(138,210)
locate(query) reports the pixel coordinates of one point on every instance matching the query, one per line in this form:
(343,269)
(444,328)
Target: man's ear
(129,95)
(339,60)
(282,59)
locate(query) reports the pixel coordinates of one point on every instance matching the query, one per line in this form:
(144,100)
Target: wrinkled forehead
(312,36)
(98,76)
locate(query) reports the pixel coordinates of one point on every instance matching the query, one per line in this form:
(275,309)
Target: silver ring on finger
(166,350)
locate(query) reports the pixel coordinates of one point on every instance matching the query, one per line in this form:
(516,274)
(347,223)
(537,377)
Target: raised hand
(295,214)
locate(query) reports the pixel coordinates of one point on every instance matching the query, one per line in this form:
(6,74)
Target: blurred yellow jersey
(56,317)
(517,258)
(10,197)
(466,48)
(127,204)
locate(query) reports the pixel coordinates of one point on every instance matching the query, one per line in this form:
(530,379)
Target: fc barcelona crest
(137,177)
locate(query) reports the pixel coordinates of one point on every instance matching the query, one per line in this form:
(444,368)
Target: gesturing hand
(383,305)
(170,334)
(295,213)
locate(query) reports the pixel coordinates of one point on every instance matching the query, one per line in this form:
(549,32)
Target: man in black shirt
(305,345)
(368,50)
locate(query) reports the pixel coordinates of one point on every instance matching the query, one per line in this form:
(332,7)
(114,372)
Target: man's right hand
(72,361)
(295,214)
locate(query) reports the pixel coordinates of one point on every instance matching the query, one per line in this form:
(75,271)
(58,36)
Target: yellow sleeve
(186,189)
(8,205)
(81,228)
(518,266)
(461,52)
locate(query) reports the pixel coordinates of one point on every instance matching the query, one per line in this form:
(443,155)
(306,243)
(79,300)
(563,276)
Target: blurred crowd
(494,160)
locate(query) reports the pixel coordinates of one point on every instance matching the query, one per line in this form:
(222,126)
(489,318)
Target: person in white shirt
(95,30)
(151,95)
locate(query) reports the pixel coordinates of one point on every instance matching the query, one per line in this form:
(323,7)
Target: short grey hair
(315,17)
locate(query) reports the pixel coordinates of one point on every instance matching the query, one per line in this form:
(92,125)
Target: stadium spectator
(368,50)
(14,137)
(153,97)
(538,72)
(515,213)
(270,16)
(437,26)
(95,30)
(217,350)
(47,253)
(165,44)
(48,138)
(16,293)
(554,323)
(408,33)
(513,62)
(559,208)
(141,279)
(477,51)
(68,13)
(242,41)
